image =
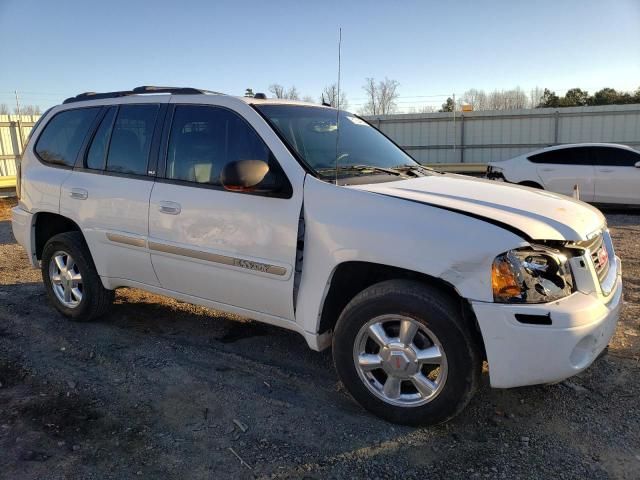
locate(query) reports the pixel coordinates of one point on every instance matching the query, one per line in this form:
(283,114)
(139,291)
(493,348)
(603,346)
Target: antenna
(338,101)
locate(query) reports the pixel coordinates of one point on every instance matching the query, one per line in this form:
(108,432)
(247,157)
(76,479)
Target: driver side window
(203,140)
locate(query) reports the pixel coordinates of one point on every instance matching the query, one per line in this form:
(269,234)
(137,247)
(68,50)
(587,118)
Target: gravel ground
(163,389)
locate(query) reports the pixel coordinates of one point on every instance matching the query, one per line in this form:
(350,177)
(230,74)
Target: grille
(599,257)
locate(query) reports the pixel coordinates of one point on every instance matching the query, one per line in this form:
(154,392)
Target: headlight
(531,275)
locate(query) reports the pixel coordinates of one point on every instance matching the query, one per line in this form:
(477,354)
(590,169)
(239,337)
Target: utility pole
(454,125)
(19,122)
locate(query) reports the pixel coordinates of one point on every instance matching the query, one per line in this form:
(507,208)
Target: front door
(617,177)
(234,248)
(562,169)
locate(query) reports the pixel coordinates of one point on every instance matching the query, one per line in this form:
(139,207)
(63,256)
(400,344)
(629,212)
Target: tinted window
(62,137)
(564,156)
(205,139)
(608,156)
(131,139)
(98,150)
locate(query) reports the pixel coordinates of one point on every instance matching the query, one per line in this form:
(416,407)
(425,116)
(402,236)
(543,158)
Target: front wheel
(404,352)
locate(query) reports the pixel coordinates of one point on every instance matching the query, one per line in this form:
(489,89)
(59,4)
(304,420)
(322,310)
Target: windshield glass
(312,132)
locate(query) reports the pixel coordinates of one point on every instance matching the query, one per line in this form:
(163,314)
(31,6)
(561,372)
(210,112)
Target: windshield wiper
(416,169)
(361,168)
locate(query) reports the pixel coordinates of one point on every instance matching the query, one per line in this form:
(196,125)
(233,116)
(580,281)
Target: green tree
(448,106)
(606,96)
(549,99)
(575,97)
(248,92)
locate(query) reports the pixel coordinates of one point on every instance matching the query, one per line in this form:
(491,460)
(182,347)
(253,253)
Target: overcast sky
(54,49)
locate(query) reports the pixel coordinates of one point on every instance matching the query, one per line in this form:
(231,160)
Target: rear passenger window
(131,139)
(615,157)
(564,156)
(62,137)
(98,150)
(204,139)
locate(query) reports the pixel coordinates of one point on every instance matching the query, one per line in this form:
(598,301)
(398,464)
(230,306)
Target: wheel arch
(48,224)
(351,277)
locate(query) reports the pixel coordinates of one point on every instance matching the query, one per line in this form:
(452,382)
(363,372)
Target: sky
(53,50)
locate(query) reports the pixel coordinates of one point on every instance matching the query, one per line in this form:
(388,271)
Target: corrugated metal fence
(14,130)
(470,137)
(481,137)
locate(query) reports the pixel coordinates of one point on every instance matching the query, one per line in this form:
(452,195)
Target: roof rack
(146,89)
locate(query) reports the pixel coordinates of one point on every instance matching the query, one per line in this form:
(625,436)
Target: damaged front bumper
(579,328)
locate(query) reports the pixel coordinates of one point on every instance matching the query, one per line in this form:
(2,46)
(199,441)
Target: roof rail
(146,89)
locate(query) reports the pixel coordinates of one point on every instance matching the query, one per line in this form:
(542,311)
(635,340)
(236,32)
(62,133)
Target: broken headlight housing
(531,275)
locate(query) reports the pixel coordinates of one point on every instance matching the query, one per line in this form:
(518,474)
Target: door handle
(170,208)
(605,170)
(548,169)
(79,193)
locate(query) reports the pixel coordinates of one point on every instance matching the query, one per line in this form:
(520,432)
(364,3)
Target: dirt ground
(163,389)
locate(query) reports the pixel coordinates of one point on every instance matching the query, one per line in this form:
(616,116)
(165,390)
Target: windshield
(361,149)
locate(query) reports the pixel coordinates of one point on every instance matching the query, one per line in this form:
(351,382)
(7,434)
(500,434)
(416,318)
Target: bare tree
(535,97)
(476,98)
(281,92)
(308,99)
(381,96)
(371,106)
(28,110)
(277,90)
(4,110)
(330,96)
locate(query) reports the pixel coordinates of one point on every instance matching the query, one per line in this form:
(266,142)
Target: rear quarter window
(62,137)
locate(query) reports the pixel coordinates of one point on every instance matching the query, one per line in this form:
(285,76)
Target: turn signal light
(504,281)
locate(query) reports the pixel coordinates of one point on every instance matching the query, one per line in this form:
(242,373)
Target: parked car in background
(413,276)
(605,173)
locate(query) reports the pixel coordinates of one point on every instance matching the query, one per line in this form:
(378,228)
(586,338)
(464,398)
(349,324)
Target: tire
(95,299)
(438,317)
(528,183)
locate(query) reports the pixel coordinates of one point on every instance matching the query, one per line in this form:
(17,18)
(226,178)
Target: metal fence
(14,130)
(481,137)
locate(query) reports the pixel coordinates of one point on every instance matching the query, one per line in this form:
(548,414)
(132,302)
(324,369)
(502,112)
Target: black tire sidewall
(439,317)
(64,243)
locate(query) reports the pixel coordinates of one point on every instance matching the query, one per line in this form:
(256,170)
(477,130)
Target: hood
(539,214)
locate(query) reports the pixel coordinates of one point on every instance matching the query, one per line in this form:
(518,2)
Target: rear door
(108,192)
(617,177)
(231,247)
(564,168)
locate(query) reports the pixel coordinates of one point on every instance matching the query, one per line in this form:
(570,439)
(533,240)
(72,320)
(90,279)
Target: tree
(330,96)
(381,96)
(535,97)
(606,96)
(308,99)
(575,97)
(28,110)
(4,110)
(280,92)
(476,98)
(549,99)
(448,106)
(277,90)
(248,92)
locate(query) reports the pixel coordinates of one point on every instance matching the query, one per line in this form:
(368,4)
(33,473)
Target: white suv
(414,277)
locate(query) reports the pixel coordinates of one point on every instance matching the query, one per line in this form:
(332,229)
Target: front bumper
(523,354)
(22,226)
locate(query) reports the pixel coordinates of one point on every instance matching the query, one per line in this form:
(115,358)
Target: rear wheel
(71,280)
(404,352)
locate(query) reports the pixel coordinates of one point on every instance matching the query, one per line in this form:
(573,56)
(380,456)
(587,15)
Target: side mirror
(243,175)
(637,165)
